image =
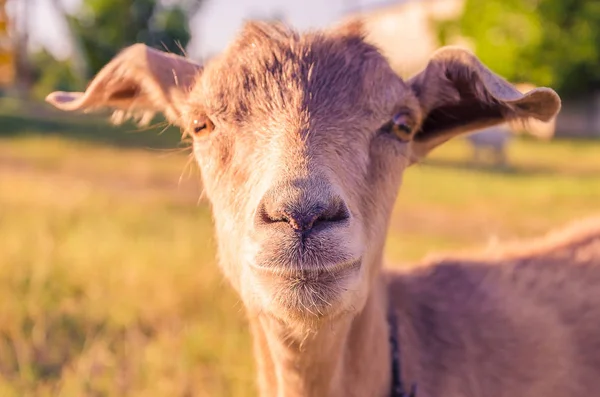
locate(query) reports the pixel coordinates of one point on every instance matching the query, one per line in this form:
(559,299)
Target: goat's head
(302,141)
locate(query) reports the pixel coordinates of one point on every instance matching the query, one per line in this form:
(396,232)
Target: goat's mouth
(288,253)
(308,293)
(300,278)
(318,273)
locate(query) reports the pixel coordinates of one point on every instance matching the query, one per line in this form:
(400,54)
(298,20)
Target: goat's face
(302,142)
(301,165)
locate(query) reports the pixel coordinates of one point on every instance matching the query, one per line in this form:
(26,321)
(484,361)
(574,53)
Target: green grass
(108,282)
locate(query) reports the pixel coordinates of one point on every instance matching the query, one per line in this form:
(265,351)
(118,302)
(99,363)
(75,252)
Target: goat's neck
(348,357)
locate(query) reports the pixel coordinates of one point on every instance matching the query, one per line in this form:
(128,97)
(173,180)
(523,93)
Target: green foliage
(51,74)
(107,26)
(546,42)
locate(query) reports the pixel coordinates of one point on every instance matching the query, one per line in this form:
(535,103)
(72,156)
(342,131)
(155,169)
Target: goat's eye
(402,126)
(202,126)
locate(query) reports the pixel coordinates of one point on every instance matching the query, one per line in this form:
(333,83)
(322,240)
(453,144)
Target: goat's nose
(303,215)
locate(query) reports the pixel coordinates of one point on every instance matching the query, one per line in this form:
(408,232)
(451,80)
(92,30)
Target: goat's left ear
(457,94)
(139,82)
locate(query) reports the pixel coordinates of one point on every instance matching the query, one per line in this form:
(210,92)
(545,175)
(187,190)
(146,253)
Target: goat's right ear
(139,82)
(457,94)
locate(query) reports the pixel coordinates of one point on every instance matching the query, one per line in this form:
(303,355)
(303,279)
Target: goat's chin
(306,296)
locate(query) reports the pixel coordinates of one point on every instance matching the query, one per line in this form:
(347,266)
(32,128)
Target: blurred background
(108,282)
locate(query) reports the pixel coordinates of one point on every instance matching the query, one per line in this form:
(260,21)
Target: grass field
(108,282)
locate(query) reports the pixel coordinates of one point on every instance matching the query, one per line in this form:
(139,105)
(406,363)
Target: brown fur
(513,320)
(302,135)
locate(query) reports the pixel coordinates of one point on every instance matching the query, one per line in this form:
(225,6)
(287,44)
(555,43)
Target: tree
(20,43)
(104,27)
(7,52)
(546,42)
(51,74)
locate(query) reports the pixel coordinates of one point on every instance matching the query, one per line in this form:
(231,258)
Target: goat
(494,139)
(302,140)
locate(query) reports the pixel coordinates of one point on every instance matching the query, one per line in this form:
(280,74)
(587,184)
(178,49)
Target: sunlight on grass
(105,296)
(108,279)
(444,204)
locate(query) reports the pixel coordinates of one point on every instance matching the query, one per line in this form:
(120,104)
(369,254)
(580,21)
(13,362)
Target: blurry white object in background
(492,140)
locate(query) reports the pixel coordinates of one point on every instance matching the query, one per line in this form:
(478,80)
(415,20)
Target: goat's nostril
(273,217)
(336,212)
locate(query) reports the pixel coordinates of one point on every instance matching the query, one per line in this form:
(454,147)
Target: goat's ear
(457,94)
(137,83)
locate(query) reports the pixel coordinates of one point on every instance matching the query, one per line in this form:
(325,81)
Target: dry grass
(108,282)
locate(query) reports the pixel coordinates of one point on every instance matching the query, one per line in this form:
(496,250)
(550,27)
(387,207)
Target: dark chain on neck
(397,389)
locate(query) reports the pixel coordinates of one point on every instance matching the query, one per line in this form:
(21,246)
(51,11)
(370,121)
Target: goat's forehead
(276,72)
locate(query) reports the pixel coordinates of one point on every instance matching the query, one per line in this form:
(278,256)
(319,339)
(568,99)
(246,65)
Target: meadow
(108,279)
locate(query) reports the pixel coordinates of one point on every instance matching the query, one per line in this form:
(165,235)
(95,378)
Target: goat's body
(524,323)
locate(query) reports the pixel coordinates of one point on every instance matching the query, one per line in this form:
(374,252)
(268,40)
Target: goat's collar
(397,386)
